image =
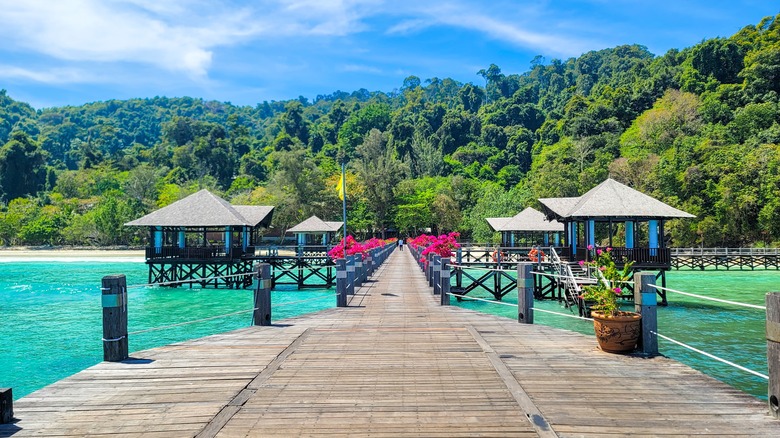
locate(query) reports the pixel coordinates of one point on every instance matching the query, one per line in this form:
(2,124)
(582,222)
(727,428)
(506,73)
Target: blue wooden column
(158,239)
(227,240)
(182,239)
(245,238)
(546,239)
(592,233)
(557,238)
(573,239)
(652,236)
(629,234)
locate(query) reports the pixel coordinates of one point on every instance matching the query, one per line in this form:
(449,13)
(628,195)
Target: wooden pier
(394,363)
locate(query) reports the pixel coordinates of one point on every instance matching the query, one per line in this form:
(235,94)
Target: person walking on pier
(401,244)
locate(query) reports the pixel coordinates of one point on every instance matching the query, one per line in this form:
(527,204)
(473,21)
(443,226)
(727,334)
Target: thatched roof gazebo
(612,212)
(529,227)
(204,220)
(315,231)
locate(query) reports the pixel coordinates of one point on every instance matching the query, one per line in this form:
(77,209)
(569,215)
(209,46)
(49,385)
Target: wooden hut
(202,236)
(530,227)
(615,215)
(315,234)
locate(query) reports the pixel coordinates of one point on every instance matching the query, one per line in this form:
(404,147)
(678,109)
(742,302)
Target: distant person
(401,244)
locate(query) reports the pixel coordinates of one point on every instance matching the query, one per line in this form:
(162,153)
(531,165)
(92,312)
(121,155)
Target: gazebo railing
(196,253)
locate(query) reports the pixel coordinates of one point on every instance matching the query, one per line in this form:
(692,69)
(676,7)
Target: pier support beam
(645,303)
(114,301)
(525,293)
(6,405)
(773,351)
(445,282)
(262,277)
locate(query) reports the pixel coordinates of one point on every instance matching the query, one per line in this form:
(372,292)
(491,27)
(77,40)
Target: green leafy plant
(611,282)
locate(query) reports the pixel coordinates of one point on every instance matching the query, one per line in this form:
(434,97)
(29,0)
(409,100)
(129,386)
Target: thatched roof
(529,219)
(205,209)
(316,225)
(611,199)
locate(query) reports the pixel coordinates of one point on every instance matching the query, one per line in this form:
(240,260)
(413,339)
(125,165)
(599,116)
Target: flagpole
(344,202)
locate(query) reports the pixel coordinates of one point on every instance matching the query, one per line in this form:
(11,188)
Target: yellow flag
(341,187)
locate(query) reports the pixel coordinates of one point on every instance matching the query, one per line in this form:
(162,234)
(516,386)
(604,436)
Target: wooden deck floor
(393,364)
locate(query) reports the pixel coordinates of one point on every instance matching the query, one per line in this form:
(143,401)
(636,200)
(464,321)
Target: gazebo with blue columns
(202,235)
(316,234)
(528,228)
(612,214)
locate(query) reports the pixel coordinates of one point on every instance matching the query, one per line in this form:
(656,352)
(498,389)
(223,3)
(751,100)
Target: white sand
(70,255)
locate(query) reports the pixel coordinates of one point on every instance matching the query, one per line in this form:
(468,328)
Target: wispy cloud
(361,69)
(49,76)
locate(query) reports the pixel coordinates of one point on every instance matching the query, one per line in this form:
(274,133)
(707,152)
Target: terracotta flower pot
(619,333)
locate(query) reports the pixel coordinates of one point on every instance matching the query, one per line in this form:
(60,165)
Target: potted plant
(616,331)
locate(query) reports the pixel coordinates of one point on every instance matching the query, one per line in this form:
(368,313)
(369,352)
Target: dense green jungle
(697,128)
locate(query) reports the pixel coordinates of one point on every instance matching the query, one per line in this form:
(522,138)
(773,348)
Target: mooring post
(645,303)
(430,270)
(445,281)
(525,293)
(341,283)
(459,272)
(262,309)
(351,275)
(436,274)
(358,270)
(6,405)
(370,263)
(114,300)
(773,351)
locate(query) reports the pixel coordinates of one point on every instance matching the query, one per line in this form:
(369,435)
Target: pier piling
(525,293)
(341,283)
(773,351)
(262,277)
(645,303)
(445,282)
(6,405)
(114,302)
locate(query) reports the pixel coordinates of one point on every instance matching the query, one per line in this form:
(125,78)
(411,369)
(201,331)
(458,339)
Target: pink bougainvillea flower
(598,251)
(590,247)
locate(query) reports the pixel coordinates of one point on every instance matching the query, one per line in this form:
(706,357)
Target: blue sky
(70,52)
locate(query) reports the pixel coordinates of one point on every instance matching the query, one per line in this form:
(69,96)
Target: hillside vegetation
(697,128)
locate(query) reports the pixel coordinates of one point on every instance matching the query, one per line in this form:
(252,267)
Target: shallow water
(51,317)
(732,333)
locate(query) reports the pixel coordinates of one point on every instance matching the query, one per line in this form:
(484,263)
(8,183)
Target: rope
(752,306)
(304,301)
(478,268)
(712,356)
(561,314)
(482,299)
(137,332)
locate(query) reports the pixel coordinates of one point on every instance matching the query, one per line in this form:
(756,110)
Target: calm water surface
(51,319)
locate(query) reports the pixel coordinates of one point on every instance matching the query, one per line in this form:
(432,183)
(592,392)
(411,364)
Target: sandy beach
(69,254)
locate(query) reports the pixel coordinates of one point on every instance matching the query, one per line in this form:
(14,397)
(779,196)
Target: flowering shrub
(354,247)
(442,245)
(606,292)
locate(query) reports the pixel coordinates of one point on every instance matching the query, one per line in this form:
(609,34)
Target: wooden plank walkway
(397,364)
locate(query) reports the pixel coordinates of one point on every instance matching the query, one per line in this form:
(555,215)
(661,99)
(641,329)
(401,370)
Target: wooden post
(436,274)
(525,293)
(645,302)
(341,283)
(262,278)
(459,272)
(114,300)
(430,270)
(358,270)
(773,351)
(370,263)
(351,275)
(6,405)
(445,282)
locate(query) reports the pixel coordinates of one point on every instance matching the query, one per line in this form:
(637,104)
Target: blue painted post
(182,239)
(351,275)
(262,280)
(370,263)
(245,238)
(525,293)
(227,240)
(652,236)
(546,239)
(436,274)
(445,282)
(158,239)
(573,239)
(645,302)
(557,238)
(341,283)
(592,233)
(629,234)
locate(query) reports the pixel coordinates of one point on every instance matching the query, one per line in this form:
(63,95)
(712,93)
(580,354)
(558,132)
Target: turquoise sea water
(733,333)
(51,316)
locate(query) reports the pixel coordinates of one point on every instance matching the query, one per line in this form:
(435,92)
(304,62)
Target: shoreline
(69,254)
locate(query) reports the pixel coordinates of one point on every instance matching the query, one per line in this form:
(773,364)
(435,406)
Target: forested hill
(698,128)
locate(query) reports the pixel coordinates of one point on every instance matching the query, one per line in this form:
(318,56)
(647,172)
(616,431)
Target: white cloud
(361,69)
(50,76)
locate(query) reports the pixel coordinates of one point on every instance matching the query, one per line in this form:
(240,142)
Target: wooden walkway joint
(393,363)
